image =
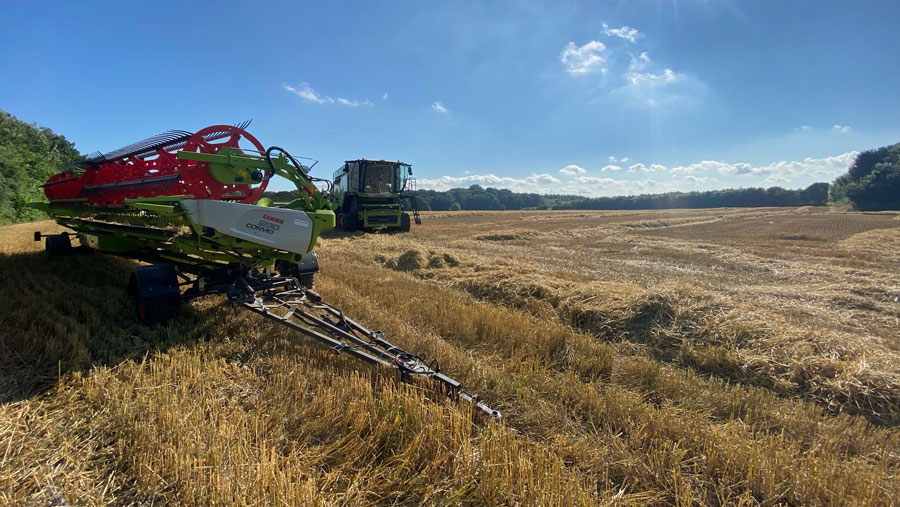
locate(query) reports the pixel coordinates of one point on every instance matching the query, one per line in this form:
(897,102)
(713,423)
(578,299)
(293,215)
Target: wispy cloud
(649,85)
(436,106)
(584,59)
(306,92)
(841,129)
(613,159)
(610,168)
(640,83)
(623,32)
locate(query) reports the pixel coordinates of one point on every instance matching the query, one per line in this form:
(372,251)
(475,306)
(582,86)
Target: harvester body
(367,194)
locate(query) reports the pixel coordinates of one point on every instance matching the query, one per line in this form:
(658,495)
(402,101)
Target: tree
(28,156)
(873,180)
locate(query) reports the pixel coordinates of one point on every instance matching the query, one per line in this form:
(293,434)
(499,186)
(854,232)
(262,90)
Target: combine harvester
(191,205)
(367,195)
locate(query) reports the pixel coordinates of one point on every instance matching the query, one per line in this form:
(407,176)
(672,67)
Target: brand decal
(264,226)
(273,219)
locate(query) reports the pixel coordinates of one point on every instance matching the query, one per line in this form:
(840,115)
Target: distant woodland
(30,154)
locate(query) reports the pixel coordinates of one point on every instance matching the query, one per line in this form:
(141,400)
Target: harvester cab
(367,195)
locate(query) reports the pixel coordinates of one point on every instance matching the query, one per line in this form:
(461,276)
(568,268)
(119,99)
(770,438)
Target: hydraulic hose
(300,167)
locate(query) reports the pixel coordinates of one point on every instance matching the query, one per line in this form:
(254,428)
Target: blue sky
(597,98)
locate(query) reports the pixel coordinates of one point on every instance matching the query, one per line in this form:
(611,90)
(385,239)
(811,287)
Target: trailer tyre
(57,245)
(155,292)
(304,271)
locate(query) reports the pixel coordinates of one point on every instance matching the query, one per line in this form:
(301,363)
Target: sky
(591,98)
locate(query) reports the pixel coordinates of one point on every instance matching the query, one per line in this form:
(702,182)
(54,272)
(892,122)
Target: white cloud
(305,92)
(608,168)
(625,32)
(533,183)
(705,166)
(704,175)
(613,159)
(641,168)
(438,107)
(572,170)
(841,129)
(583,59)
(805,128)
(784,172)
(385,96)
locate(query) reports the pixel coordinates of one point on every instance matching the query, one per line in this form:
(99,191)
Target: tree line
(478,198)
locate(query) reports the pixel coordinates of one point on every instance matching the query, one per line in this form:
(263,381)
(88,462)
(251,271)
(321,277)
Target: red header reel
(151,168)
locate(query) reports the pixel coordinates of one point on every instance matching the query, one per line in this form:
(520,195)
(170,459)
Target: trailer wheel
(155,291)
(304,271)
(57,245)
(307,280)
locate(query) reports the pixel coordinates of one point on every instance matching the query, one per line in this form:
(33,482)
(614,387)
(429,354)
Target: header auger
(191,204)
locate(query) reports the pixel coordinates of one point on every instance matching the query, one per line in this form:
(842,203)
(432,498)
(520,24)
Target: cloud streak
(306,92)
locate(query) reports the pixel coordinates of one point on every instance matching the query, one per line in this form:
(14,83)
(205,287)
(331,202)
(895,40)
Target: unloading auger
(192,205)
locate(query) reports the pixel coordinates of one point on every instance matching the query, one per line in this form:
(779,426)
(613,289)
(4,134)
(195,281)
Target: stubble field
(724,356)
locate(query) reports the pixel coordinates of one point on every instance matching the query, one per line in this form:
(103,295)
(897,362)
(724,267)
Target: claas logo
(273,219)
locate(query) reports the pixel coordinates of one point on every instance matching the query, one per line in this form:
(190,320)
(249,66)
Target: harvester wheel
(404,222)
(155,291)
(350,222)
(57,245)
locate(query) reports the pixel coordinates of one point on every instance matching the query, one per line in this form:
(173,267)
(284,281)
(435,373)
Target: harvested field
(722,356)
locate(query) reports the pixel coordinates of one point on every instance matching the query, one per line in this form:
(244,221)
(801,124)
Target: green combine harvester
(190,205)
(367,195)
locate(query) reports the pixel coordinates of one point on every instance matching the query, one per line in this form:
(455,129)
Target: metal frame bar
(285,301)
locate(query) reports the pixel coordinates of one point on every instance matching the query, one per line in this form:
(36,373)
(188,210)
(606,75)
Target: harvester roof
(376,161)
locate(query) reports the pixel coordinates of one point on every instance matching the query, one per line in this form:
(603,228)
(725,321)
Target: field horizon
(709,356)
